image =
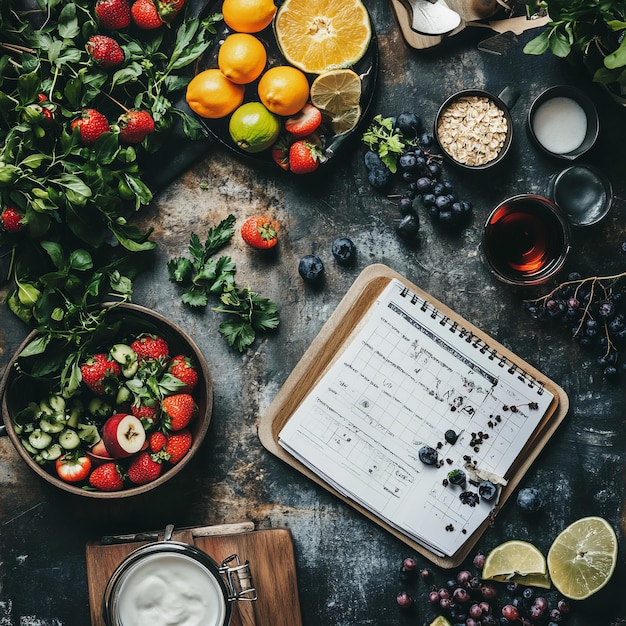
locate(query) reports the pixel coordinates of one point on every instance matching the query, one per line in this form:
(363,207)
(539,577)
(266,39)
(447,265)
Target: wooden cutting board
(272,565)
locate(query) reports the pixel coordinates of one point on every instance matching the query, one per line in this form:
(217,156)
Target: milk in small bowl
(563,122)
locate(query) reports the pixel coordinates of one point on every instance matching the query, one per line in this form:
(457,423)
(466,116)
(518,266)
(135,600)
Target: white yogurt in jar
(560,125)
(170,590)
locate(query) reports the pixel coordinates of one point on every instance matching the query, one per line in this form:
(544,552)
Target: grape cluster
(420,169)
(593,311)
(467,600)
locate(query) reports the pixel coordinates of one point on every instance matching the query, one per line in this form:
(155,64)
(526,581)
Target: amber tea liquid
(525,240)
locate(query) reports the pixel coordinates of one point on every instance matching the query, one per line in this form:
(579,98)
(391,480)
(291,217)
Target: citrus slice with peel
(336,91)
(440,620)
(318,35)
(582,558)
(517,561)
(344,122)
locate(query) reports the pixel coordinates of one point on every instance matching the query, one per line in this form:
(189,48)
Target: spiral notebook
(411,398)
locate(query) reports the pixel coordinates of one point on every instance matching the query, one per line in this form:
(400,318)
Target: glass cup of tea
(526,240)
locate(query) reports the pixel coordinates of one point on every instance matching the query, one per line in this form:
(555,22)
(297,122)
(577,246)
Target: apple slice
(123,435)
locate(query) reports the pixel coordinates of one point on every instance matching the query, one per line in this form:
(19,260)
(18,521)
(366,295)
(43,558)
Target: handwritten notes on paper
(407,376)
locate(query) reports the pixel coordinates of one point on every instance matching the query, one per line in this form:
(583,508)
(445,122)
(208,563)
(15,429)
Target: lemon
(582,558)
(517,561)
(248,16)
(253,128)
(440,620)
(336,91)
(319,35)
(210,94)
(345,121)
(242,58)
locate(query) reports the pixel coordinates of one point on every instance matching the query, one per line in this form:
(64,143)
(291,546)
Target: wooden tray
(328,346)
(272,565)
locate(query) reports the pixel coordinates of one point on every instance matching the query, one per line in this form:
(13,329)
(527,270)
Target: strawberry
(145,15)
(178,445)
(113,14)
(169,9)
(145,413)
(135,126)
(150,347)
(181,367)
(305,122)
(280,153)
(260,232)
(304,157)
(73,468)
(11,220)
(107,477)
(91,124)
(144,469)
(100,374)
(178,411)
(105,51)
(157,441)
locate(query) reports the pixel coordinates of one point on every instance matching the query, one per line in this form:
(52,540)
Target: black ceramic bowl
(474,155)
(17,391)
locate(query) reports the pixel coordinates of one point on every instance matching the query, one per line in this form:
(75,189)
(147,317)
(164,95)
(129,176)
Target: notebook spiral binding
(474,341)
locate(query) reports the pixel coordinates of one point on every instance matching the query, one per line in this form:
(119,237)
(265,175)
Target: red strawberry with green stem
(105,51)
(113,14)
(280,153)
(178,410)
(135,126)
(146,15)
(91,124)
(182,368)
(169,9)
(12,220)
(144,469)
(304,157)
(144,411)
(100,374)
(107,477)
(149,346)
(260,232)
(305,122)
(73,468)
(178,445)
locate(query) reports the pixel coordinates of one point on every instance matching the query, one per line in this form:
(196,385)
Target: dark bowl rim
(201,431)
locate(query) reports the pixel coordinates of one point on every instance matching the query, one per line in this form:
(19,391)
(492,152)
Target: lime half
(517,561)
(582,558)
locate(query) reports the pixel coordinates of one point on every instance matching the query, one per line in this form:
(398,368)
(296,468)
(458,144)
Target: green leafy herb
(381,137)
(203,275)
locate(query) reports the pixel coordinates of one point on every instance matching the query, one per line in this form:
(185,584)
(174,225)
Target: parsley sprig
(203,275)
(382,138)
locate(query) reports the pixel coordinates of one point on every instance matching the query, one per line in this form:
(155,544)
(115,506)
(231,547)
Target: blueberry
(379,177)
(439,189)
(423,184)
(407,161)
(409,176)
(443,202)
(409,226)
(529,500)
(311,268)
(405,205)
(409,124)
(427,140)
(487,490)
(451,436)
(457,477)
(427,455)
(434,169)
(428,199)
(344,251)
(372,160)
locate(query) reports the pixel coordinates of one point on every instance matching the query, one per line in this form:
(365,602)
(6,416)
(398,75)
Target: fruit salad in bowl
(122,417)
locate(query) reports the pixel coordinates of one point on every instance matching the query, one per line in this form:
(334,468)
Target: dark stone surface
(347,565)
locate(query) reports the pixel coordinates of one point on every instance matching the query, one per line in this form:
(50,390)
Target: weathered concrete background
(347,566)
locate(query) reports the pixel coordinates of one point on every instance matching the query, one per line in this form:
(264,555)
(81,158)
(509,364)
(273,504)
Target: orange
(284,90)
(242,58)
(211,94)
(248,16)
(320,35)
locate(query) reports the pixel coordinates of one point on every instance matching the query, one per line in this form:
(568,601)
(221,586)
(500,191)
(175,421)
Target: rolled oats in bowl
(473,129)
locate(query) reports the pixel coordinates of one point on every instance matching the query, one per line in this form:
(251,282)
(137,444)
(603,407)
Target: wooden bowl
(16,391)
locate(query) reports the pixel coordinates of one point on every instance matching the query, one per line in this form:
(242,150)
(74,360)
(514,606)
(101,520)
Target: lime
(345,121)
(582,558)
(517,561)
(440,620)
(253,128)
